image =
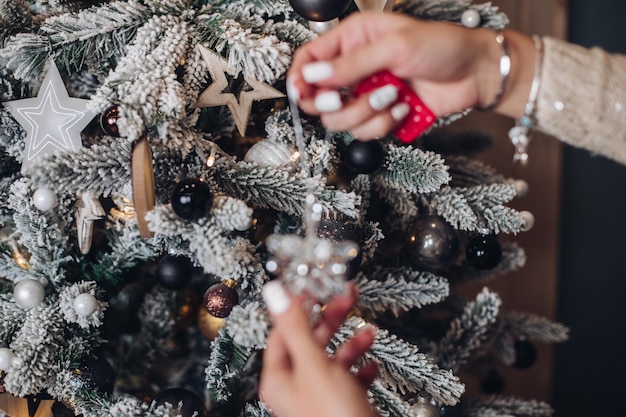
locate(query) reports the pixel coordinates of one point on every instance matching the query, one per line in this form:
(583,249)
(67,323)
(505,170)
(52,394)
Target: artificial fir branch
(387,403)
(500,406)
(14,16)
(14,317)
(414,170)
(451,11)
(468,332)
(399,289)
(535,327)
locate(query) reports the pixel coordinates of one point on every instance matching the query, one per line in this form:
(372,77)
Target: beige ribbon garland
(142,173)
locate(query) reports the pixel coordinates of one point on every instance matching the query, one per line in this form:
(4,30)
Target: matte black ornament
(365,157)
(192,199)
(492,383)
(483,252)
(174,271)
(320,10)
(189,402)
(220,299)
(433,243)
(108,121)
(337,231)
(94,374)
(525,354)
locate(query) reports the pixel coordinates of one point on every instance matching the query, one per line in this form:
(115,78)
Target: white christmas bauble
(85,304)
(470,18)
(529,218)
(521,188)
(244,225)
(424,409)
(268,153)
(6,359)
(28,293)
(44,199)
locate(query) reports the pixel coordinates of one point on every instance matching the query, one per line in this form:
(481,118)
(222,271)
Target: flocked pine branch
(468,332)
(535,327)
(451,11)
(388,403)
(14,17)
(413,170)
(403,368)
(399,289)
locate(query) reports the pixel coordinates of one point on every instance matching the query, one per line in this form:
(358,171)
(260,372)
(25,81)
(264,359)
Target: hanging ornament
(433,242)
(492,383)
(322,27)
(529,220)
(28,293)
(108,121)
(365,157)
(521,188)
(423,408)
(208,324)
(85,304)
(241,106)
(191,199)
(25,407)
(44,199)
(6,359)
(52,121)
(142,178)
(320,10)
(483,252)
(94,374)
(220,298)
(525,354)
(88,210)
(191,405)
(375,5)
(337,232)
(174,271)
(272,154)
(470,18)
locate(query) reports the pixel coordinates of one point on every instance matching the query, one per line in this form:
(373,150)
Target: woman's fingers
(349,353)
(334,314)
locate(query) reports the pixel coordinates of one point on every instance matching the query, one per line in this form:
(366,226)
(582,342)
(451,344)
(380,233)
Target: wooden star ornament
(25,407)
(241,106)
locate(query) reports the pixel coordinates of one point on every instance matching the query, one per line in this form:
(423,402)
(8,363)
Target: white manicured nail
(276,297)
(292,91)
(328,102)
(317,71)
(400,111)
(383,96)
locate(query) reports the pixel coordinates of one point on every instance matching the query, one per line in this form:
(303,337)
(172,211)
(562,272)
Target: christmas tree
(154,177)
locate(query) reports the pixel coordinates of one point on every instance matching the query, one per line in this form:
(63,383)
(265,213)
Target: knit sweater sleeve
(582,98)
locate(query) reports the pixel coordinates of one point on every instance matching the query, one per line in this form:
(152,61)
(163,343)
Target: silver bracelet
(505,71)
(520,133)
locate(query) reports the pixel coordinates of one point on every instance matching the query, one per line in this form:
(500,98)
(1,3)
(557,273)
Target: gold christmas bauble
(209,325)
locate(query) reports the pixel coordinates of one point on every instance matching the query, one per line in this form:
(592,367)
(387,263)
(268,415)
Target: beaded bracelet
(505,71)
(519,134)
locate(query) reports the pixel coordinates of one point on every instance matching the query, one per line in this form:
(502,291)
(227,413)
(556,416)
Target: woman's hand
(298,378)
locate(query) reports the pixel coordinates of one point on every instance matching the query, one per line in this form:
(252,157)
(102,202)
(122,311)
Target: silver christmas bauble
(321,27)
(6,358)
(28,293)
(85,304)
(424,409)
(529,218)
(470,18)
(44,199)
(268,153)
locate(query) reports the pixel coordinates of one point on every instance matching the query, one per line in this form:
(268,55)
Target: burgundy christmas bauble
(220,299)
(192,199)
(320,10)
(108,121)
(483,252)
(433,243)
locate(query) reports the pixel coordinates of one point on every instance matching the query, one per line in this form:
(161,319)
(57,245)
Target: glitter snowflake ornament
(311,266)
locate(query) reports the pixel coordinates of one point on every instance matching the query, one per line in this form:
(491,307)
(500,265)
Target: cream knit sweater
(582,98)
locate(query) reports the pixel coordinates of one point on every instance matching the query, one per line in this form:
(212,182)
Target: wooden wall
(533,288)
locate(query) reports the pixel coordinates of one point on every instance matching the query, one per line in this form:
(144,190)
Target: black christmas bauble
(433,243)
(337,231)
(220,299)
(365,157)
(192,199)
(525,354)
(94,374)
(108,121)
(492,383)
(189,402)
(174,271)
(483,252)
(320,10)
